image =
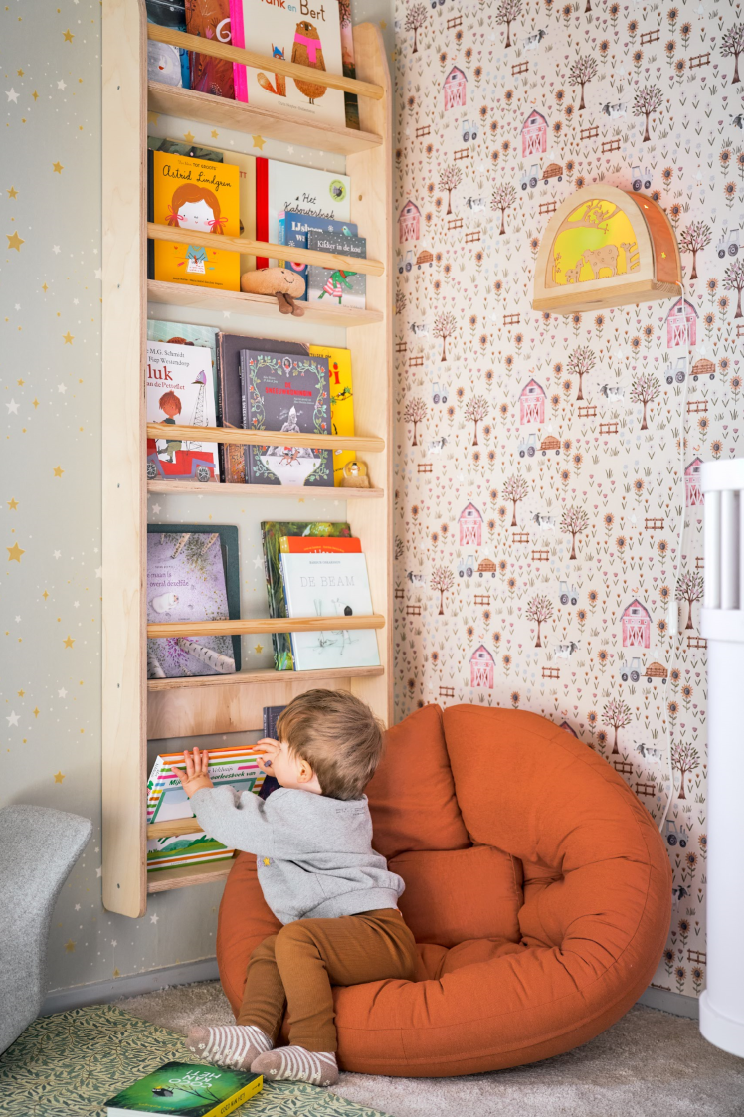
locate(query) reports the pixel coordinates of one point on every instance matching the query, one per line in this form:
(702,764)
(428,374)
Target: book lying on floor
(168,802)
(271,533)
(186,1090)
(329,585)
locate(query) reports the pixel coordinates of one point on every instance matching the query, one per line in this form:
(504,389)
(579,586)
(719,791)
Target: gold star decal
(15,241)
(259,649)
(259,141)
(44,288)
(20,73)
(68,36)
(21,382)
(14,553)
(59,777)
(45,595)
(12,193)
(58,168)
(383,24)
(69,642)
(58,471)
(35,95)
(152,118)
(69,946)
(36,404)
(21,693)
(37,711)
(12,504)
(188,137)
(68,338)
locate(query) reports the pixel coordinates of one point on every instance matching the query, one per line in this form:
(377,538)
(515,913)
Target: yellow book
(201,195)
(246,165)
(342,402)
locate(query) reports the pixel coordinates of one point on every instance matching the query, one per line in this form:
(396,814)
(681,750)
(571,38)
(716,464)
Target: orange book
(319,545)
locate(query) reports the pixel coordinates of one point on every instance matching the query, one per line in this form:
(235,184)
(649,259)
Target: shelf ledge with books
(240,302)
(235,437)
(318,492)
(262,676)
(262,625)
(185,875)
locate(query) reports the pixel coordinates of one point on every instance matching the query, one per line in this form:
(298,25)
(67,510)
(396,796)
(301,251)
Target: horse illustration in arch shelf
(606,247)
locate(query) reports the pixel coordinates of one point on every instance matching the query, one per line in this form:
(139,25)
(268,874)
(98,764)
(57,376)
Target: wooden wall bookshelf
(136,709)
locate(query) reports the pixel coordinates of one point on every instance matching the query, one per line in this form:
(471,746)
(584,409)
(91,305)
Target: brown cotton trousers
(297,967)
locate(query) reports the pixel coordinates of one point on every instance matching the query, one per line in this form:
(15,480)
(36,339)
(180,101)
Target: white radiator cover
(722,625)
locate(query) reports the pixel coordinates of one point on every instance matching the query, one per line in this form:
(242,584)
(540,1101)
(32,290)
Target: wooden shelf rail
(221,488)
(262,62)
(261,676)
(174,828)
(249,247)
(163,630)
(368,445)
(245,302)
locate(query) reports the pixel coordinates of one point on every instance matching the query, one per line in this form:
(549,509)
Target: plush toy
(285,284)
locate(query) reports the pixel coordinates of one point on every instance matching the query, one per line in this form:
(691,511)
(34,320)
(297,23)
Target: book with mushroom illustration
(192,575)
(307,36)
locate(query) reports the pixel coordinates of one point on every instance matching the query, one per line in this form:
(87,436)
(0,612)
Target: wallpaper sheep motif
(544,463)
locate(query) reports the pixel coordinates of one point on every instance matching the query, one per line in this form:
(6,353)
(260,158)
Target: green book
(271,534)
(187,1090)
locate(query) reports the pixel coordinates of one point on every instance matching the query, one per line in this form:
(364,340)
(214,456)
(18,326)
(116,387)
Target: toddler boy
(320,876)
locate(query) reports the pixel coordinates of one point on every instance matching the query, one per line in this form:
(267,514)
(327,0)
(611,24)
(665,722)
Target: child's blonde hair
(338,736)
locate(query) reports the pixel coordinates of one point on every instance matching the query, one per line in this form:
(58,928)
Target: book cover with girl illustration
(197,194)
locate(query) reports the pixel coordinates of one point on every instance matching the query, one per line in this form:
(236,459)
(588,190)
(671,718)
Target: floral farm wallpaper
(539,482)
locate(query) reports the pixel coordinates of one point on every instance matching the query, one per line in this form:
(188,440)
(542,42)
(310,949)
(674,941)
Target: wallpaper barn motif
(540,473)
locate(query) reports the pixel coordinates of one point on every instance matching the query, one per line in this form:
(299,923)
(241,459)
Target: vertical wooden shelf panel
(193,708)
(123,696)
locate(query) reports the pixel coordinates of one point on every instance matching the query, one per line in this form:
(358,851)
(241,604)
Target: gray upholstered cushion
(39,846)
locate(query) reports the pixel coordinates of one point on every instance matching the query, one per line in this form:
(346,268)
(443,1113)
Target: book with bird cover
(272,532)
(180,391)
(186,1090)
(210,19)
(283,188)
(300,33)
(199,195)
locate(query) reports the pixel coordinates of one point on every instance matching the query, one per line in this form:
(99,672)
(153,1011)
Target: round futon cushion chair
(537,887)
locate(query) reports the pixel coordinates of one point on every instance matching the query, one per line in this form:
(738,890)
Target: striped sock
(232,1045)
(319,1068)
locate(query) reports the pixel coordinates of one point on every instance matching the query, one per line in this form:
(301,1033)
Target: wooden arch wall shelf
(605,247)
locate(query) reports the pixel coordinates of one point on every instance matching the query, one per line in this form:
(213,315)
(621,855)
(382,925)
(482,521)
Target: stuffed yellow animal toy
(285,284)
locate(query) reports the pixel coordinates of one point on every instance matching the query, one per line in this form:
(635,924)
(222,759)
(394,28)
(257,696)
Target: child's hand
(270,748)
(197,772)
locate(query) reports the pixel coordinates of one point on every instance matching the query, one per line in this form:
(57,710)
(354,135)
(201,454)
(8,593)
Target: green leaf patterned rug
(68,1065)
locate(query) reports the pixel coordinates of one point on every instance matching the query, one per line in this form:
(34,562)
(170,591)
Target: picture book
(192,575)
(293,230)
(180,390)
(308,36)
(270,719)
(230,392)
(180,147)
(283,188)
(168,65)
(329,585)
(167,802)
(288,393)
(351,101)
(186,1090)
(337,286)
(196,194)
(342,402)
(271,533)
(309,545)
(211,20)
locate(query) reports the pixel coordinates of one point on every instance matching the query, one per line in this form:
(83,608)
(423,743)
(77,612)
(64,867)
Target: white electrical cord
(673,610)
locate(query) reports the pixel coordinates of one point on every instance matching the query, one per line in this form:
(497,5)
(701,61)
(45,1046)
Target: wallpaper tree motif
(544,462)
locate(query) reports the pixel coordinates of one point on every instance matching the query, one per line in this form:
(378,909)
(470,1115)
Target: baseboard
(675,1003)
(131,985)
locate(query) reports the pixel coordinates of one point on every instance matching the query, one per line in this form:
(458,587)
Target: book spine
(237,28)
(222,450)
(262,202)
(245,390)
(150,214)
(272,610)
(230,1104)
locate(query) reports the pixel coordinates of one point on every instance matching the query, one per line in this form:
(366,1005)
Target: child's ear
(304,772)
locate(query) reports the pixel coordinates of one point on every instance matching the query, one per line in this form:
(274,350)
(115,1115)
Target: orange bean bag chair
(537,887)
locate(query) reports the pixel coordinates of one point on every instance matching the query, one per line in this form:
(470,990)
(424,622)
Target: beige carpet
(650,1064)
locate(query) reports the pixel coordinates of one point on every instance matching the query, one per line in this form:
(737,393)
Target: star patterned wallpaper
(544,463)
